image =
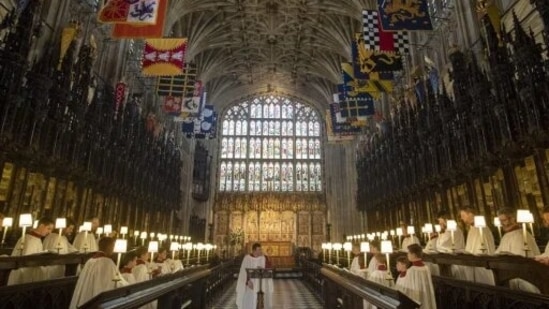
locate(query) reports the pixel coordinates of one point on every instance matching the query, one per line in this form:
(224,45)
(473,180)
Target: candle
(124,231)
(107,229)
(60,223)
(348,247)
(497,223)
(451,225)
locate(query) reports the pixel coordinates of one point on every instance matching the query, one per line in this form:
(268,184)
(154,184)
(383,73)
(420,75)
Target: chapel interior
(312,127)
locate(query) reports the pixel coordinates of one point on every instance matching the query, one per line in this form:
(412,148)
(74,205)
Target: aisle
(288,294)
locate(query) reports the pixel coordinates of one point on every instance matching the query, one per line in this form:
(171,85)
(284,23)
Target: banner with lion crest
(397,15)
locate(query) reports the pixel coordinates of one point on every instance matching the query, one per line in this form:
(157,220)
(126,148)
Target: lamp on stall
(451,225)
(86,227)
(348,247)
(7,222)
(208,247)
(411,231)
(174,246)
(99,231)
(25,220)
(120,246)
(60,223)
(523,216)
(438,228)
(143,236)
(329,248)
(199,247)
(387,249)
(323,246)
(399,234)
(153,248)
(152,234)
(188,246)
(124,231)
(531,222)
(107,229)
(392,233)
(497,223)
(429,230)
(337,247)
(480,223)
(135,235)
(365,248)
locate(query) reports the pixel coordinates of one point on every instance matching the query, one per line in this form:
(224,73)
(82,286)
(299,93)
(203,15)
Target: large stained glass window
(270,144)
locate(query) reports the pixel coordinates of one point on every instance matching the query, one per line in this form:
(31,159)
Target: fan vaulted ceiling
(247,47)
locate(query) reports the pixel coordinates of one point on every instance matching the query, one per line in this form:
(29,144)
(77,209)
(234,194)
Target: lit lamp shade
(120,246)
(530,217)
(438,228)
(399,231)
(200,246)
(174,246)
(497,223)
(329,246)
(7,222)
(386,246)
(480,221)
(392,232)
(81,228)
(451,225)
(152,235)
(428,228)
(143,235)
(364,246)
(347,246)
(99,231)
(124,230)
(523,216)
(87,226)
(362,236)
(25,220)
(337,246)
(349,237)
(208,247)
(188,246)
(35,224)
(107,229)
(411,230)
(135,233)
(60,223)
(384,235)
(153,246)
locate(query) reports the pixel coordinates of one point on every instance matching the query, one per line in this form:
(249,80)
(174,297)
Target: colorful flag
(377,39)
(399,15)
(191,104)
(178,85)
(373,83)
(164,57)
(67,37)
(203,126)
(357,108)
(331,135)
(140,12)
(172,105)
(369,60)
(132,31)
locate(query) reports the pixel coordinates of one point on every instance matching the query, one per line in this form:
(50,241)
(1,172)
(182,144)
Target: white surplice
(142,271)
(479,246)
(378,276)
(97,276)
(246,298)
(32,245)
(408,240)
(418,285)
(513,242)
(444,241)
(81,239)
(55,244)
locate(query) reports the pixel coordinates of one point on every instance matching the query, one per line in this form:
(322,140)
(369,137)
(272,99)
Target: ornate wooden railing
(504,267)
(342,289)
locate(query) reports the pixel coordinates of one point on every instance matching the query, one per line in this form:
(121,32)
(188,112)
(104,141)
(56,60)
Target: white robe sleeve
(80,241)
(32,245)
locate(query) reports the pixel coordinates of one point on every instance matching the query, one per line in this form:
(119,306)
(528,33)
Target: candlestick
(348,247)
(24,221)
(337,246)
(451,225)
(124,231)
(497,223)
(387,249)
(7,222)
(523,216)
(480,223)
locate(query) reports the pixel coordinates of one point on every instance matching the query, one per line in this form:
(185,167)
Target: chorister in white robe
(82,238)
(513,242)
(55,244)
(444,241)
(380,276)
(246,298)
(174,265)
(127,275)
(479,246)
(97,276)
(418,285)
(143,271)
(408,240)
(32,245)
(372,266)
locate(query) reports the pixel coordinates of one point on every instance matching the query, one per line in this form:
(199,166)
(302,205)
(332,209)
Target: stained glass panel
(265,130)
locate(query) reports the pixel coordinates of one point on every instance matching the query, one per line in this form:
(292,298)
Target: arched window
(270,144)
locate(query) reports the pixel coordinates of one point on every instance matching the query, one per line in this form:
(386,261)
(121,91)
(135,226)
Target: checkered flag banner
(377,39)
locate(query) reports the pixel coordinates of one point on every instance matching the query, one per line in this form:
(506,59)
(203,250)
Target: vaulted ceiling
(247,47)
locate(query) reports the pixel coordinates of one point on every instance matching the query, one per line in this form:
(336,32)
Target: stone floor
(288,294)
